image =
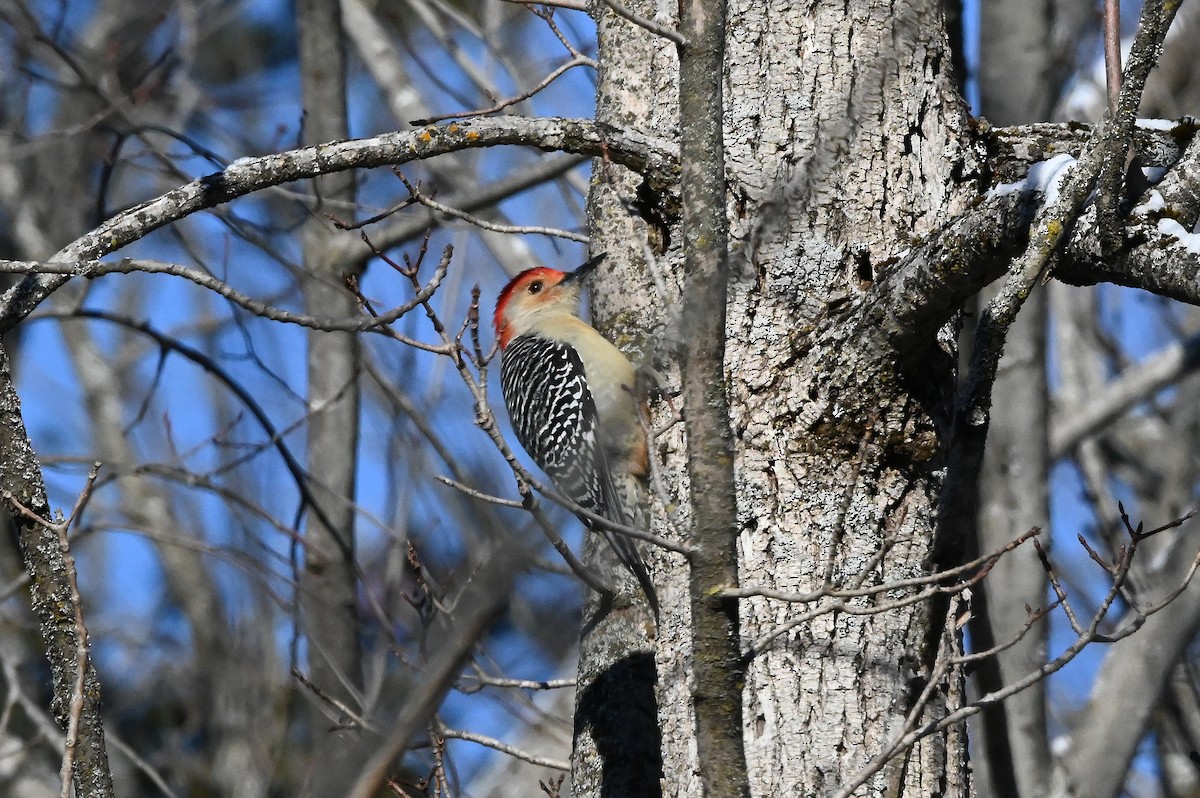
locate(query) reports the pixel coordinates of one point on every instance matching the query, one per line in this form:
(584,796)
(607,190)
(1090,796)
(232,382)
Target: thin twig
(483,224)
(483,680)
(580,60)
(513,751)
(1112,52)
(141,764)
(480,600)
(1085,636)
(478,494)
(546,13)
(570,5)
(985,562)
(59,528)
(334,703)
(844,607)
(657,28)
(96,268)
(485,419)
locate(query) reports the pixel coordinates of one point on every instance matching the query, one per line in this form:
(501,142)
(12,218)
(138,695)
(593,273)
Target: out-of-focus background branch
(203,577)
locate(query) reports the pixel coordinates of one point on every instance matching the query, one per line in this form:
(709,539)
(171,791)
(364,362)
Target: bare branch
(1112,52)
(1136,385)
(482,680)
(1085,636)
(483,224)
(570,5)
(1014,149)
(338,709)
(657,28)
(511,750)
(141,764)
(59,528)
(475,606)
(639,152)
(981,563)
(511,101)
(55,599)
(96,268)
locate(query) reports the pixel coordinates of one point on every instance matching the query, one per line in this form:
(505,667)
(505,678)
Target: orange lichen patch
(472,135)
(425,135)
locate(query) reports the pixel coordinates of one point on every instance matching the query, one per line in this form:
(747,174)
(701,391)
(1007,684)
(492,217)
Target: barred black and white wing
(554,416)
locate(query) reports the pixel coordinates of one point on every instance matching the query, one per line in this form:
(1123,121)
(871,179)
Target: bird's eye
(535,286)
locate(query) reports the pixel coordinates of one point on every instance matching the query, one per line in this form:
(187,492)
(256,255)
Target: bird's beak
(586,269)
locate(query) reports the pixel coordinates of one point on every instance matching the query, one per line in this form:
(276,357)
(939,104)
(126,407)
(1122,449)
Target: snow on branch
(1011,150)
(1045,177)
(1158,252)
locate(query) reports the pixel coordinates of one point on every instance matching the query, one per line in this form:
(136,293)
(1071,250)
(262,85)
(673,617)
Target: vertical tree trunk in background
(1131,694)
(1026,54)
(1027,51)
(1018,64)
(837,452)
(328,583)
(1013,753)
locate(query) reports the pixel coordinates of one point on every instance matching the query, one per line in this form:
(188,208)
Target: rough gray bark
(624,679)
(51,594)
(837,467)
(811,230)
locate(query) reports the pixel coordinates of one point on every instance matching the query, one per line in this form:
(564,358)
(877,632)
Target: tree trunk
(625,673)
(328,597)
(837,441)
(838,465)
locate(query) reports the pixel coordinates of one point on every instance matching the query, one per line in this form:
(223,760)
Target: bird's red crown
(516,284)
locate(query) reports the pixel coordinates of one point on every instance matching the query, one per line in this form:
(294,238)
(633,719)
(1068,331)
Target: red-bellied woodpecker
(570,395)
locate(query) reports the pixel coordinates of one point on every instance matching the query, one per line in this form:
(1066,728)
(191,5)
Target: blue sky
(121,567)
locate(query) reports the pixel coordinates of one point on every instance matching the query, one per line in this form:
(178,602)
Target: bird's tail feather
(627,552)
